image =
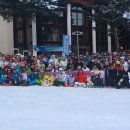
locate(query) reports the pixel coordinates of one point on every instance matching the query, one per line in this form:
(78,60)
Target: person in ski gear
(80,79)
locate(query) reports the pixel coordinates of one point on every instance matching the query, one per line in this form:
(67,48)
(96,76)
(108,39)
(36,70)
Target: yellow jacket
(48,80)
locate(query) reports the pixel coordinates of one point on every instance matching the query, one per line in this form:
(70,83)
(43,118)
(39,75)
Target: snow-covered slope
(38,108)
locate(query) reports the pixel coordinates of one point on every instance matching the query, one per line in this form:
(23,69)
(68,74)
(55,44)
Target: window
(20,30)
(74,19)
(20,37)
(19,22)
(77,17)
(52,34)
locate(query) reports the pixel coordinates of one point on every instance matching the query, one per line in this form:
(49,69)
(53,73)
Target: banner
(66,46)
(48,48)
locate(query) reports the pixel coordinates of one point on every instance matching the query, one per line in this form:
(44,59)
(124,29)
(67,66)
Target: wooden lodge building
(24,33)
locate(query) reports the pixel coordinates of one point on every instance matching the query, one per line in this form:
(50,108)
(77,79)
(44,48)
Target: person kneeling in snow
(16,77)
(60,78)
(80,79)
(122,79)
(48,80)
(33,78)
(70,79)
(89,82)
(3,77)
(97,80)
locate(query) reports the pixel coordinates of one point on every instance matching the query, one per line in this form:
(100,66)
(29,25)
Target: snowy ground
(37,108)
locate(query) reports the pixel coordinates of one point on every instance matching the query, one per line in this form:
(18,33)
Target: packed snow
(60,108)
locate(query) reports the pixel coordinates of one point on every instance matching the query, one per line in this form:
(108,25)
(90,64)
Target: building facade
(86,35)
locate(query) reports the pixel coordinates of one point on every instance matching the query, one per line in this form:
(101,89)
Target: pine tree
(10,8)
(112,12)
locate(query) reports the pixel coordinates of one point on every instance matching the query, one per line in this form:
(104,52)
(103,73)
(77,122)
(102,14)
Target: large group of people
(69,71)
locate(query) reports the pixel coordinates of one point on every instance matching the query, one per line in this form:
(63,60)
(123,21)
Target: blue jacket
(3,77)
(32,79)
(16,76)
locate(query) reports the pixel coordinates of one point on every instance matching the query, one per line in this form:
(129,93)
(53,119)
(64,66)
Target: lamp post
(77,34)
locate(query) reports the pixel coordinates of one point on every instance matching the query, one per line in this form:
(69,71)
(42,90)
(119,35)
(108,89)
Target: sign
(48,48)
(66,45)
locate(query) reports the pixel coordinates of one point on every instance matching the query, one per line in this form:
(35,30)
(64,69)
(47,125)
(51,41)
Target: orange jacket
(81,78)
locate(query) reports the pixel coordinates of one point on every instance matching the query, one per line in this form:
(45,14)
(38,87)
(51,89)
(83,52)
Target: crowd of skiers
(69,71)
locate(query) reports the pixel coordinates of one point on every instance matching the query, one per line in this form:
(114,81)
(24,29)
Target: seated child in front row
(80,79)
(95,78)
(69,79)
(48,79)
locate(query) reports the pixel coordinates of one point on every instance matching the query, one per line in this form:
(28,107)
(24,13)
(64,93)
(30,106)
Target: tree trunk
(116,39)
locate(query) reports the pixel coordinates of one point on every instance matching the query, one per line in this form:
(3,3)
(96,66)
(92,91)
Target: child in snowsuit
(33,78)
(122,79)
(97,81)
(70,79)
(48,80)
(16,77)
(60,78)
(80,79)
(3,77)
(112,76)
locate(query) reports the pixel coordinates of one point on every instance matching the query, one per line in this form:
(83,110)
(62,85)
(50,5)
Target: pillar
(109,38)
(69,23)
(93,34)
(34,33)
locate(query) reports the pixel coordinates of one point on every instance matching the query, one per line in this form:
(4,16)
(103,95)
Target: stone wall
(6,36)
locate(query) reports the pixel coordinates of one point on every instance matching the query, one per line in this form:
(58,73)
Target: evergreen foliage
(10,8)
(112,12)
